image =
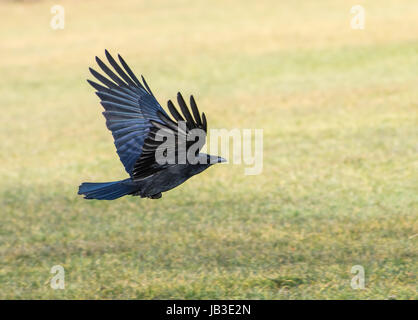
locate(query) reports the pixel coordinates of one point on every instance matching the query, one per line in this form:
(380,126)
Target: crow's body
(150,187)
(134,117)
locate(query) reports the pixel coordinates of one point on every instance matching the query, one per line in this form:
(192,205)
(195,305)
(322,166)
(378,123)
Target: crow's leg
(138,193)
(156,196)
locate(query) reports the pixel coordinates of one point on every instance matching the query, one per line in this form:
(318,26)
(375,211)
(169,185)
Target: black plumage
(139,124)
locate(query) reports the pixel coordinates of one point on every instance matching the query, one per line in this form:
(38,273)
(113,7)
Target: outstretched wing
(147,164)
(129,108)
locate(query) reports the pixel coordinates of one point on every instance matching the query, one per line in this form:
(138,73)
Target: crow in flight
(140,127)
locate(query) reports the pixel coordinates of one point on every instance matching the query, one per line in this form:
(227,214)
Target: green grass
(339,185)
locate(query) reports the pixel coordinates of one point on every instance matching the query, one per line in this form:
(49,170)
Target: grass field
(339,187)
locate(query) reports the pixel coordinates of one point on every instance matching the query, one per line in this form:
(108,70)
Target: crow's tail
(106,190)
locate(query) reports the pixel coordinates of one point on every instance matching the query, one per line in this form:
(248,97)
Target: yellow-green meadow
(339,186)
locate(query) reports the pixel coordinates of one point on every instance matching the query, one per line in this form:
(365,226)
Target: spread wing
(180,127)
(129,108)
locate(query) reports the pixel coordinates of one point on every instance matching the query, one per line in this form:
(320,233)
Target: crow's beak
(220,160)
(215,159)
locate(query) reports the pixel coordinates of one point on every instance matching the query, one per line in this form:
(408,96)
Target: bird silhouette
(158,152)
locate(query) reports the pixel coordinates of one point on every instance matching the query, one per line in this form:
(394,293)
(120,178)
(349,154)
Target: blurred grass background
(339,186)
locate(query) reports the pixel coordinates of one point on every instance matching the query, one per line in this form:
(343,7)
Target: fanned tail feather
(106,190)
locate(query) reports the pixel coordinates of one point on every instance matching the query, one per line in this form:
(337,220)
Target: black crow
(141,128)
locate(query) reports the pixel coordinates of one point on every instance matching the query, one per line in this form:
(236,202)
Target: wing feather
(147,164)
(118,69)
(176,115)
(129,107)
(185,111)
(195,111)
